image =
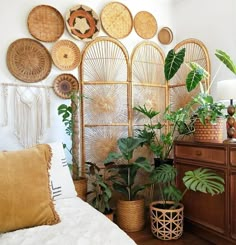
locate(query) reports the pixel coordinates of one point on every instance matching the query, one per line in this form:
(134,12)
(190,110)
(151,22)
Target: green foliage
(155,135)
(100,194)
(66,113)
(225,58)
(201,179)
(124,179)
(173,62)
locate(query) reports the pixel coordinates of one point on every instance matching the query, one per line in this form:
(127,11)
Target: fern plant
(201,179)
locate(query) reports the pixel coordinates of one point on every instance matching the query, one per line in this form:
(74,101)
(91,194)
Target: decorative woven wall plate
(117,20)
(82,23)
(66,55)
(145,24)
(45,23)
(165,35)
(28,60)
(64,85)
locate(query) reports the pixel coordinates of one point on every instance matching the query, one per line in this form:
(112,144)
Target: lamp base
(229,140)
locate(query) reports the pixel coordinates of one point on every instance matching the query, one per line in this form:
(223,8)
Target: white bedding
(80,225)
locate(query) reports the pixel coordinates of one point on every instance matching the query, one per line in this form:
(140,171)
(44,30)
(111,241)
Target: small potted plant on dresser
(167,213)
(69,114)
(100,192)
(131,209)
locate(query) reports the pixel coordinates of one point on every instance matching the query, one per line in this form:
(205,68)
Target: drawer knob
(198,153)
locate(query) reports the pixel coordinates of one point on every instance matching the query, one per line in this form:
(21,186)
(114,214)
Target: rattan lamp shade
(66,55)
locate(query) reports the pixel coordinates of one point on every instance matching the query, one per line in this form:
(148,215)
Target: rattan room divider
(112,84)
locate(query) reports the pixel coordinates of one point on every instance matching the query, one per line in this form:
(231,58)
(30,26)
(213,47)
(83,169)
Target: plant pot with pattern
(131,209)
(69,114)
(167,214)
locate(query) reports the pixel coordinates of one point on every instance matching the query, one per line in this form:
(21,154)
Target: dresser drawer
(209,154)
(232,156)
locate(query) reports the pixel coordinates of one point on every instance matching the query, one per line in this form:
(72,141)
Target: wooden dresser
(212,217)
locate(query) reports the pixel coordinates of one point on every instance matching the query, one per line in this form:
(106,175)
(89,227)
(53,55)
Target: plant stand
(166,224)
(131,215)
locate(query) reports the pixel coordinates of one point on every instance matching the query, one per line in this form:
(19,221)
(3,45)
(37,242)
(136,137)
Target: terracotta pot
(166,224)
(209,132)
(81,188)
(131,215)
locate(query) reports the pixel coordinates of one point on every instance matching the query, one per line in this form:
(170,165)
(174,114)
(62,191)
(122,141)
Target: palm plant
(201,179)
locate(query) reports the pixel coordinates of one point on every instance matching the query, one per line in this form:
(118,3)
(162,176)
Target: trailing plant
(202,179)
(126,167)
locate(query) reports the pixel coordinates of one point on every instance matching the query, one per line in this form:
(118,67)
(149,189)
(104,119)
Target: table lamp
(226,90)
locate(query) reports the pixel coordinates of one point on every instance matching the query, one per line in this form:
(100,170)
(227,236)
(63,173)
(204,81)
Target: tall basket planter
(166,224)
(209,132)
(81,187)
(131,215)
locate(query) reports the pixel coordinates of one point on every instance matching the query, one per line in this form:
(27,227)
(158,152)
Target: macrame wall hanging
(31,111)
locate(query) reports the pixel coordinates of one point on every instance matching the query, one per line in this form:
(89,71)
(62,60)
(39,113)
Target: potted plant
(166,214)
(130,210)
(100,194)
(69,114)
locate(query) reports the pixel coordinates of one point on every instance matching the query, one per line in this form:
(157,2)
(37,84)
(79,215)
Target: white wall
(211,21)
(13,26)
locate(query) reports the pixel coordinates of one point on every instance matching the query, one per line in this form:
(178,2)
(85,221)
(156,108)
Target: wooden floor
(145,237)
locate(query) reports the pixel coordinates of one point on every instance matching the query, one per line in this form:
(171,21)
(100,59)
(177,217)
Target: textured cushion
(25,198)
(61,182)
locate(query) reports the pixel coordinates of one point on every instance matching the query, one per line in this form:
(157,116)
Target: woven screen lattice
(106,108)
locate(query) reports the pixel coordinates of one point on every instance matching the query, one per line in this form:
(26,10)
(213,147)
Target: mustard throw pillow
(25,198)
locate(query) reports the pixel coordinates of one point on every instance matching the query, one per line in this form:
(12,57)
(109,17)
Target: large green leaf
(195,76)
(112,156)
(225,58)
(135,190)
(150,113)
(172,193)
(204,180)
(173,62)
(142,162)
(165,173)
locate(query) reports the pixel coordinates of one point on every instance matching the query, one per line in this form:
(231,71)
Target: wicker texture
(165,35)
(45,23)
(145,24)
(82,23)
(209,132)
(130,215)
(28,60)
(64,85)
(117,20)
(81,188)
(66,55)
(166,224)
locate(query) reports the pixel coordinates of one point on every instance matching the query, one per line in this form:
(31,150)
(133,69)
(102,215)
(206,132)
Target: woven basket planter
(130,215)
(209,132)
(166,224)
(110,215)
(81,188)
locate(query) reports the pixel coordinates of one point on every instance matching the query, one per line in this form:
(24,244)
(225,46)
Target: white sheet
(80,225)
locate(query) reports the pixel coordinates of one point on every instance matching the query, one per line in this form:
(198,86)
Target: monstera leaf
(173,62)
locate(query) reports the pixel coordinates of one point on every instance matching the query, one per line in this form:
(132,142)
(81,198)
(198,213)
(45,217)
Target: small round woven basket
(165,35)
(209,132)
(45,23)
(166,224)
(81,188)
(130,215)
(66,55)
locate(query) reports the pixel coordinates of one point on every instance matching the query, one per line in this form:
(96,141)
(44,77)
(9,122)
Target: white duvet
(80,225)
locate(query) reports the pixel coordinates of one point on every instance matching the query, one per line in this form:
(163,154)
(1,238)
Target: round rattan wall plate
(65,55)
(117,20)
(165,35)
(45,23)
(64,85)
(82,23)
(28,60)
(145,25)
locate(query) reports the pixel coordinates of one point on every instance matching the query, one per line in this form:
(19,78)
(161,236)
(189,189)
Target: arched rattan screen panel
(105,107)
(196,52)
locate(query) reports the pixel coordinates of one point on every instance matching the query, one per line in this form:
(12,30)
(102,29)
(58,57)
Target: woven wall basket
(166,224)
(209,132)
(130,215)
(45,23)
(66,55)
(28,60)
(165,35)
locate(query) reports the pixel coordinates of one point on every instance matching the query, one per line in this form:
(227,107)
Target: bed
(69,221)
